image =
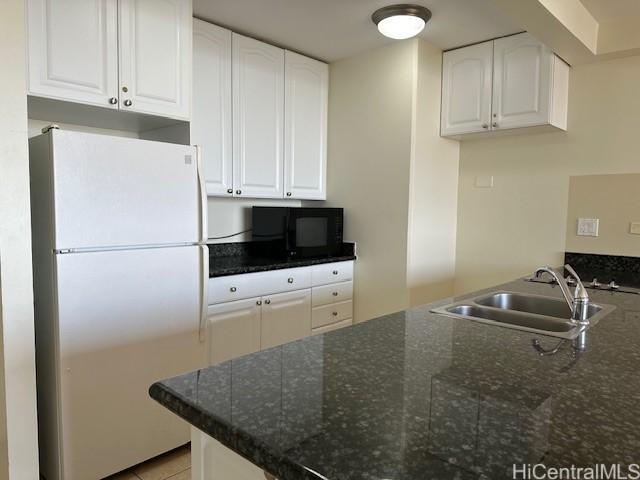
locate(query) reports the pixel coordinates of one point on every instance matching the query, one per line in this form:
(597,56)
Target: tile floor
(173,465)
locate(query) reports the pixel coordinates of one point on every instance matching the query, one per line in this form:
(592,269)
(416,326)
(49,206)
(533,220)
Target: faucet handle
(581,293)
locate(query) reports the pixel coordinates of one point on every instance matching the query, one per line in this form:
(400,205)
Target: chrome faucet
(578,301)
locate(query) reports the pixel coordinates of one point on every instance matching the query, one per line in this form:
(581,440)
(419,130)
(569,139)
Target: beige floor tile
(123,476)
(165,466)
(186,475)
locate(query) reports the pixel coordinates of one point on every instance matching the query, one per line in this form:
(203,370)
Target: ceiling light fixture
(401,21)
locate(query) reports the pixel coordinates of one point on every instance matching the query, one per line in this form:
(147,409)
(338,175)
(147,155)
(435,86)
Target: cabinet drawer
(334,326)
(333,313)
(247,285)
(332,273)
(333,293)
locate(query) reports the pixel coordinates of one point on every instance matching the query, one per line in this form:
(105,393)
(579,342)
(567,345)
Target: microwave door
(313,234)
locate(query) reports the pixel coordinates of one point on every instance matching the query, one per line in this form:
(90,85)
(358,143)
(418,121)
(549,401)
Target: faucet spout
(578,301)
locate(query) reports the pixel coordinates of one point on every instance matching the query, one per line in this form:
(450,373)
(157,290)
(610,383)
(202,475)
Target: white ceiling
(605,10)
(333,29)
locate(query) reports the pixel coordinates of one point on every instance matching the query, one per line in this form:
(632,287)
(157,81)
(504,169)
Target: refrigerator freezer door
(125,320)
(118,192)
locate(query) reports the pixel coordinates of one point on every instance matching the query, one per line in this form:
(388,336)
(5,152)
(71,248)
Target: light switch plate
(484,181)
(634,228)
(588,227)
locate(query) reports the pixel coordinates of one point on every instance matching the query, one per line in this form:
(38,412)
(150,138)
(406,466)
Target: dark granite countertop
(414,396)
(237,258)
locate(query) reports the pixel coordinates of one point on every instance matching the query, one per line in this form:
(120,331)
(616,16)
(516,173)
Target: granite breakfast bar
(414,396)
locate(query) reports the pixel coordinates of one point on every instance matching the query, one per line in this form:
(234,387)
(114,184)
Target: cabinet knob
(335,272)
(335,294)
(268,302)
(233,289)
(288,194)
(290,280)
(485,126)
(335,314)
(238,192)
(494,125)
(229,190)
(259,303)
(128,103)
(113,101)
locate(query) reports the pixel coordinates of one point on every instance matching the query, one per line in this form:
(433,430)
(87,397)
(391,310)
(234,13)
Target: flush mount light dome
(401,21)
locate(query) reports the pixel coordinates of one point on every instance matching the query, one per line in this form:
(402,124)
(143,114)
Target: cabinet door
(285,317)
(521,82)
(155,57)
(466,89)
(211,113)
(305,128)
(234,329)
(258,111)
(73,50)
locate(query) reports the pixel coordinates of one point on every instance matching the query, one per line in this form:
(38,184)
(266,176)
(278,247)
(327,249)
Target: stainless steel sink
(523,311)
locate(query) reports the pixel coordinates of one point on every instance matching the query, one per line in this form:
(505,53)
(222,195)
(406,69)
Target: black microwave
(298,232)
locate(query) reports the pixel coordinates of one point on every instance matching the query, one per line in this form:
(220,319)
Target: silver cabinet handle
(288,194)
(290,280)
(238,192)
(335,294)
(268,302)
(335,272)
(485,126)
(259,302)
(233,289)
(335,314)
(229,190)
(128,103)
(113,101)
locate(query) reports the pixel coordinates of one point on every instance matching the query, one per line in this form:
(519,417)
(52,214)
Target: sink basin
(522,311)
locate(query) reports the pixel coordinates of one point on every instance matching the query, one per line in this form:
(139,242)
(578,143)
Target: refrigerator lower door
(118,192)
(125,320)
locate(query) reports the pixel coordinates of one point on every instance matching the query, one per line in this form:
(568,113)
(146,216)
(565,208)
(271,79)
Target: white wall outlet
(484,181)
(588,227)
(634,228)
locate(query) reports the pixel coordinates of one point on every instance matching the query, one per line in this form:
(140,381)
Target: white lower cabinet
(255,311)
(234,329)
(286,317)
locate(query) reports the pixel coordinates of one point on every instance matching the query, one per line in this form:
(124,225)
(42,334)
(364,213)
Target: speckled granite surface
(415,396)
(242,257)
(624,270)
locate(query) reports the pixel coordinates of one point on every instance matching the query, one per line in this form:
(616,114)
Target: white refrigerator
(120,275)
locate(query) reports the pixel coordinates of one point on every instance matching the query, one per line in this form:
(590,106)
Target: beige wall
(520,224)
(394,175)
(615,200)
(18,430)
(368,169)
(433,187)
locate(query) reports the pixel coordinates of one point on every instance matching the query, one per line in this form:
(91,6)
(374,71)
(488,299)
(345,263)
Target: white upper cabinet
(211,121)
(511,82)
(305,130)
(522,82)
(155,57)
(258,118)
(73,50)
(131,55)
(466,89)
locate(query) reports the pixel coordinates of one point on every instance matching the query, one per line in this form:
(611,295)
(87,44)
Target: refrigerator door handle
(202,186)
(204,303)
